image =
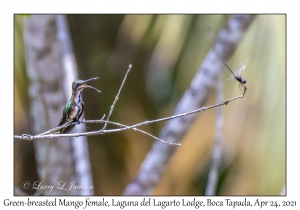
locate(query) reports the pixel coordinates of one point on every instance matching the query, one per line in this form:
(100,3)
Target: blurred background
(166,52)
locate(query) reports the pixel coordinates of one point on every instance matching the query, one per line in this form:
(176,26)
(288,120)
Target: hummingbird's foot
(80,121)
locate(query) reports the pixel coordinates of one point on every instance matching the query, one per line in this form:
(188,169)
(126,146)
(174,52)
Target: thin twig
(57,128)
(30,137)
(99,121)
(50,136)
(62,126)
(144,132)
(117,97)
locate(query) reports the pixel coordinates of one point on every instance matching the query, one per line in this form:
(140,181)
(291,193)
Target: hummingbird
(74,108)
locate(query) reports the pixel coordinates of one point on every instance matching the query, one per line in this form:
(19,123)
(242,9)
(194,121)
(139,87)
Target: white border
(8,8)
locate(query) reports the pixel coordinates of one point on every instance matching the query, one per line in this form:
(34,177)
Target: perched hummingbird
(74,108)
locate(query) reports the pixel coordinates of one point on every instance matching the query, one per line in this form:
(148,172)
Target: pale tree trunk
(204,81)
(80,144)
(47,75)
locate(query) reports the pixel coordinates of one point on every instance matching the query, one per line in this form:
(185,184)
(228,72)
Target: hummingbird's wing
(64,118)
(70,127)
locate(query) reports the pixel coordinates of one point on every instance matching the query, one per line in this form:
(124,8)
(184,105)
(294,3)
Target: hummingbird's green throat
(74,108)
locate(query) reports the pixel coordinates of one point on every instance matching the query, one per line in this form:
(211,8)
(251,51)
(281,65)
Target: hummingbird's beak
(87,86)
(90,79)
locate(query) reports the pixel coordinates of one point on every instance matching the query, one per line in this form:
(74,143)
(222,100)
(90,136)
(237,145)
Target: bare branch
(117,97)
(62,126)
(144,132)
(57,128)
(124,127)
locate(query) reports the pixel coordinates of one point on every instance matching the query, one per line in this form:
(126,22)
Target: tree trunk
(46,72)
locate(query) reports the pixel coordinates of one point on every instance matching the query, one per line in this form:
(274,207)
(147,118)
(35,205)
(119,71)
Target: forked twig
(124,127)
(117,96)
(46,134)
